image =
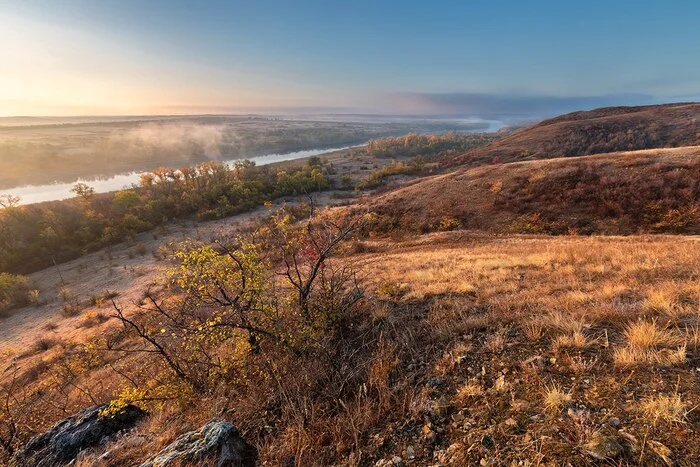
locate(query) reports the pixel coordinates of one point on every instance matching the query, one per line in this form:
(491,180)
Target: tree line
(414,144)
(32,237)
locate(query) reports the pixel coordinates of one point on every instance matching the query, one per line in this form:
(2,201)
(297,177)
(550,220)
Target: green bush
(379,176)
(14,292)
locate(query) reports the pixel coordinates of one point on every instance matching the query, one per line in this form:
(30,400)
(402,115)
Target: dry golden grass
(601,194)
(561,285)
(505,329)
(648,334)
(692,334)
(669,408)
(630,356)
(647,342)
(659,301)
(559,289)
(596,131)
(468,390)
(558,321)
(555,398)
(577,340)
(588,310)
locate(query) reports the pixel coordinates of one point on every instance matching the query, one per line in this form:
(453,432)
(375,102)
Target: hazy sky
(72,57)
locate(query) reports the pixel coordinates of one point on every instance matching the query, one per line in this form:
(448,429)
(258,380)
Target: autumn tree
(83,190)
(8,201)
(225,308)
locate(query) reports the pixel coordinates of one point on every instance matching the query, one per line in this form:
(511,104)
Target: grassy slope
(500,349)
(619,193)
(475,334)
(597,131)
(488,327)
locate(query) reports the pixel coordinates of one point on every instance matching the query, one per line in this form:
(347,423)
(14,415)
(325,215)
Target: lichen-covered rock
(64,441)
(604,448)
(662,451)
(217,441)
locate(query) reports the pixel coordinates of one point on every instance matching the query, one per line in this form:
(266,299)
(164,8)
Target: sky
(463,57)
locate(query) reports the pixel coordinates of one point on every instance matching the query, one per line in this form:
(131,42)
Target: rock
(436,382)
(410,453)
(396,460)
(662,451)
(428,434)
(65,440)
(500,383)
(603,447)
(441,406)
(614,422)
(217,441)
(453,455)
(379,463)
(535,359)
(487,442)
(631,442)
(511,422)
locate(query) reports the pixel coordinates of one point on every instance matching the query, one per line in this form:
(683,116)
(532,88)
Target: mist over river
(43,161)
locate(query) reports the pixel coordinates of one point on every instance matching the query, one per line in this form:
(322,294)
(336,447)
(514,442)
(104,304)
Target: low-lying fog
(41,158)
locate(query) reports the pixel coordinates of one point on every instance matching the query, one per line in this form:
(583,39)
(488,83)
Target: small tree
(83,190)
(8,201)
(227,314)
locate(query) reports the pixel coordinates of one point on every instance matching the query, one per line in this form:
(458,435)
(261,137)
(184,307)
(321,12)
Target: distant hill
(593,132)
(620,193)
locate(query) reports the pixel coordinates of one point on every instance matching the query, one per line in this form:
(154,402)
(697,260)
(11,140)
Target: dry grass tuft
(555,398)
(564,322)
(534,330)
(660,301)
(648,335)
(630,356)
(93,318)
(43,344)
(577,340)
(648,343)
(496,342)
(580,365)
(692,336)
(671,409)
(467,391)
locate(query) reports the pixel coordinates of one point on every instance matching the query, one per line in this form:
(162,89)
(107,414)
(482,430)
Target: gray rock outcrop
(64,441)
(217,442)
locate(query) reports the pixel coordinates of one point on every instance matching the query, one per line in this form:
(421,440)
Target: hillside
(289,334)
(468,350)
(620,193)
(593,132)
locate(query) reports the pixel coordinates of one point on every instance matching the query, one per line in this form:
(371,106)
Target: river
(30,194)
